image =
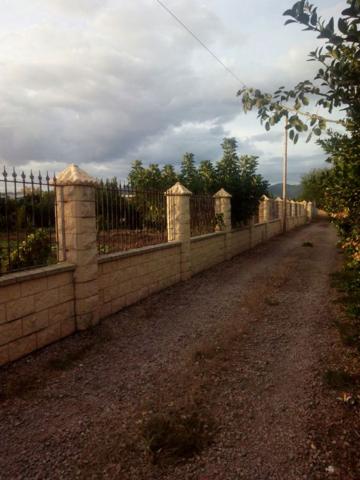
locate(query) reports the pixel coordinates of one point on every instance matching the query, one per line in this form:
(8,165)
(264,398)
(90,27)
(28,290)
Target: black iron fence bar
(27,221)
(129,217)
(203,218)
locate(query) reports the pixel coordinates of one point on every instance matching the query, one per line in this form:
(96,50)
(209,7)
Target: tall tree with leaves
(208,178)
(227,169)
(336,85)
(189,175)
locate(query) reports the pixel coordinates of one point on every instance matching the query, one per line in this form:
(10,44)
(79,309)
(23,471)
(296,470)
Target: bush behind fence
(27,221)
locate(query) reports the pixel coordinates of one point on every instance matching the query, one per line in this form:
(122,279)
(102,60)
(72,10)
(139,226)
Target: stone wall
(40,306)
(36,308)
(125,278)
(206,251)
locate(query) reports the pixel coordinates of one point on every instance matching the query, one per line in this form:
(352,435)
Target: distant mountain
(293,191)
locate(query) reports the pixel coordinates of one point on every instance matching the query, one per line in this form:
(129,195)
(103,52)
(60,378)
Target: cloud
(100,83)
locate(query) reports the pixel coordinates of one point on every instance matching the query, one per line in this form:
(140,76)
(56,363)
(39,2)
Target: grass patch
(177,435)
(349,334)
(307,244)
(347,281)
(339,379)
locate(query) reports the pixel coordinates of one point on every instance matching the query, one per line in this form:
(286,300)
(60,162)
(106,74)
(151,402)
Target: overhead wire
(201,42)
(188,29)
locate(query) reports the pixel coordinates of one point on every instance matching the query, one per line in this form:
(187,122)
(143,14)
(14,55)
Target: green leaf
(296,138)
(317,131)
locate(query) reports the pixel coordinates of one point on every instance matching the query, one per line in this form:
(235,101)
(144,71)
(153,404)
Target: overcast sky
(102,82)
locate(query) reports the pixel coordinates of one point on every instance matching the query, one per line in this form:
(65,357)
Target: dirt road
(244,342)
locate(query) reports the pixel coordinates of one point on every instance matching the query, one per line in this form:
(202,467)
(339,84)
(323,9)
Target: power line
(200,42)
(285,107)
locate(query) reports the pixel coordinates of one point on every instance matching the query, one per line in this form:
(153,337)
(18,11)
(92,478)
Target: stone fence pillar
(223,207)
(304,207)
(76,229)
(292,208)
(178,223)
(309,211)
(279,206)
(264,209)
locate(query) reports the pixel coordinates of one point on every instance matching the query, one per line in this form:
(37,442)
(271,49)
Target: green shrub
(34,251)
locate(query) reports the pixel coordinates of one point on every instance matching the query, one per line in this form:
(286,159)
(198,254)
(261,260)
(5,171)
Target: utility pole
(284,179)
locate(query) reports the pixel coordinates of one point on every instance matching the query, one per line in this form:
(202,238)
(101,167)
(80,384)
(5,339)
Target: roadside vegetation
(237,174)
(334,91)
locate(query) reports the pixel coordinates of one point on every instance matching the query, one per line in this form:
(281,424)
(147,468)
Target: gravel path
(245,340)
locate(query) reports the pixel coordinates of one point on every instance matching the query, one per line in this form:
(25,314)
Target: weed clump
(176,435)
(307,244)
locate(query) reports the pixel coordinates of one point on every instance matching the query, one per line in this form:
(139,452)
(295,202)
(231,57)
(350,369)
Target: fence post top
(178,189)
(278,199)
(73,175)
(264,198)
(222,194)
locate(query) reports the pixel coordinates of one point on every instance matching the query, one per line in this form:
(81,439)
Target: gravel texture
(244,343)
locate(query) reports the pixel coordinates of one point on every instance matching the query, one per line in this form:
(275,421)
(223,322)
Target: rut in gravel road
(243,341)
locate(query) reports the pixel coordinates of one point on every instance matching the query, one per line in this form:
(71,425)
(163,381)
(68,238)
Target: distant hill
(293,191)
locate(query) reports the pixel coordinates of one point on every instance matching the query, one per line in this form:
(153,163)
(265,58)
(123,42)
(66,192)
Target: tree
(313,185)
(169,176)
(189,175)
(336,85)
(237,175)
(227,169)
(207,176)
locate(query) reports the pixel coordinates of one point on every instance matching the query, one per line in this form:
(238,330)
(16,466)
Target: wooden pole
(284,179)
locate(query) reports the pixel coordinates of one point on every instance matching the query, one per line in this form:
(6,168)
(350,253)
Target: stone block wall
(36,308)
(43,305)
(125,278)
(207,251)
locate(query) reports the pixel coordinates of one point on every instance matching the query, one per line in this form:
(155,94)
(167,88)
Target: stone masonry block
(87,305)
(4,354)
(10,332)
(86,289)
(65,293)
(118,304)
(105,310)
(44,301)
(2,314)
(22,347)
(60,312)
(11,292)
(33,286)
(20,308)
(59,280)
(68,326)
(48,335)
(86,273)
(35,322)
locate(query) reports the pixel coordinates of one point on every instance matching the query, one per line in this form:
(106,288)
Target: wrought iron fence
(128,217)
(27,221)
(203,219)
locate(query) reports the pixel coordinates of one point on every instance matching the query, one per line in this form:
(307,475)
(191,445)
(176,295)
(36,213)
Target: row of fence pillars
(77,235)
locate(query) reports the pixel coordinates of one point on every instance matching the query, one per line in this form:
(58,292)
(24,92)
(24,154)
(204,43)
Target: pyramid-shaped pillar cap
(222,194)
(74,175)
(264,197)
(278,199)
(178,189)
